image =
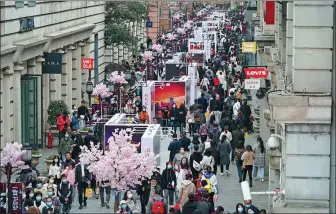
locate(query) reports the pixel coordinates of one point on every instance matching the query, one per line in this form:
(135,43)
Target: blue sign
(149,24)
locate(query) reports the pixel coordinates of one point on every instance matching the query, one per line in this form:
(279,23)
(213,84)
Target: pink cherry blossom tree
(170,36)
(118,77)
(147,55)
(119,163)
(11,162)
(102,92)
(157,47)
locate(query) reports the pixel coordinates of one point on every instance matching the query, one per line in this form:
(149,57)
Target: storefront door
(29,111)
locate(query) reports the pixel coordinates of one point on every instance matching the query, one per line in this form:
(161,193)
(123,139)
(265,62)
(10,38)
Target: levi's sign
(87,63)
(256,73)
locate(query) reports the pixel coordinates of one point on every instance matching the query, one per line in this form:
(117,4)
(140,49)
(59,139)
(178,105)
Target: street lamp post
(89,89)
(155,54)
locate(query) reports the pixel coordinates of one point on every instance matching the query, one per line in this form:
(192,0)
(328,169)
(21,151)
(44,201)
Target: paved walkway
(229,188)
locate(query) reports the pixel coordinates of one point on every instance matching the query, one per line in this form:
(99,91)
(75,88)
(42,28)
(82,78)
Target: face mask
(169,166)
(51,181)
(31,195)
(50,193)
(64,180)
(240,209)
(124,206)
(248,205)
(174,106)
(38,198)
(39,185)
(182,151)
(176,168)
(129,195)
(251,212)
(56,160)
(49,203)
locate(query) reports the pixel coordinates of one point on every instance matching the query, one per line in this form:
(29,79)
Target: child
(200,191)
(198,180)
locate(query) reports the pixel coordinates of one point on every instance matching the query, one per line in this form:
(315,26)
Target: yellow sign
(95,100)
(249,47)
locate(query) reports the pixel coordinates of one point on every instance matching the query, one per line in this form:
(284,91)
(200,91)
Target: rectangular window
(27,24)
(31,3)
(19,4)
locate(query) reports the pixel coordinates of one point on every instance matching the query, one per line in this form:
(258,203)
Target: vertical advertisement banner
(207,45)
(193,83)
(3,197)
(15,206)
(146,99)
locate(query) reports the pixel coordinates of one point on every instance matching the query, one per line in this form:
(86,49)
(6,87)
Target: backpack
(197,166)
(204,130)
(158,207)
(199,194)
(209,186)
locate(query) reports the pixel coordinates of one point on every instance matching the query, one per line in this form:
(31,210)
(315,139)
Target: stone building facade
(300,50)
(74,28)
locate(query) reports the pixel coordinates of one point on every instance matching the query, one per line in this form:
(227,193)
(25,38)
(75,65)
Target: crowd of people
(217,124)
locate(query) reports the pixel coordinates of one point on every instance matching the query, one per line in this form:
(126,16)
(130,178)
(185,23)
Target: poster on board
(168,93)
(195,46)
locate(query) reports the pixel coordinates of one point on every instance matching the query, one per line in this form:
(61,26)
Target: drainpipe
(96,58)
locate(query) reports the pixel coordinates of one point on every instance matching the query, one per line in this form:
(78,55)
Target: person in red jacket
(63,125)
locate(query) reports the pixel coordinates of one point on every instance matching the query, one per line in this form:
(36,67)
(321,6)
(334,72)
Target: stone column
(40,109)
(79,80)
(55,84)
(312,57)
(7,84)
(74,76)
(17,101)
(46,96)
(70,51)
(64,76)
(289,39)
(2,141)
(85,74)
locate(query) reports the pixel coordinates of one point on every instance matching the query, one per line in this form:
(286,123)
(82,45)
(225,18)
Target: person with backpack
(203,132)
(64,193)
(157,204)
(208,160)
(204,206)
(169,183)
(212,186)
(195,162)
(239,151)
(213,150)
(191,205)
(201,190)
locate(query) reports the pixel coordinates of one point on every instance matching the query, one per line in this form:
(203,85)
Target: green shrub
(55,109)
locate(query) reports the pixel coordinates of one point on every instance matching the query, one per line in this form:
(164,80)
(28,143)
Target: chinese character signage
(256,73)
(249,47)
(252,84)
(15,201)
(195,46)
(87,63)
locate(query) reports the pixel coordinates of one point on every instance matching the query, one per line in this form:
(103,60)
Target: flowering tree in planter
(10,162)
(157,47)
(102,92)
(119,163)
(118,77)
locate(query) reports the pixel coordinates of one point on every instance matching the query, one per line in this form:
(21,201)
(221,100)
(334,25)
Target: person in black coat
(185,141)
(215,154)
(191,205)
(77,142)
(195,156)
(90,137)
(168,183)
(82,179)
(181,117)
(144,191)
(174,147)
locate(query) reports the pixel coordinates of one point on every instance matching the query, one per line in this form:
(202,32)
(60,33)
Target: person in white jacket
(210,176)
(208,160)
(55,169)
(205,82)
(236,108)
(180,176)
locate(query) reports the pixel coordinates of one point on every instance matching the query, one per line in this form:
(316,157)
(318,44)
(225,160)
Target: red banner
(16,200)
(270,12)
(87,63)
(256,73)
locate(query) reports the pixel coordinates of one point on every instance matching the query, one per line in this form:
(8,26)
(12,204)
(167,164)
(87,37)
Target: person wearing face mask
(168,183)
(82,180)
(144,118)
(50,184)
(144,191)
(173,117)
(123,208)
(39,188)
(240,209)
(38,201)
(178,157)
(70,174)
(212,186)
(50,208)
(65,146)
(55,170)
(64,193)
(130,201)
(250,208)
(54,199)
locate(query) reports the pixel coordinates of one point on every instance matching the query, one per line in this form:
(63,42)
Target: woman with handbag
(168,183)
(247,158)
(239,150)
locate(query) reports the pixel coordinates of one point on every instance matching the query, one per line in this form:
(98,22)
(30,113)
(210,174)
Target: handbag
(88,192)
(244,165)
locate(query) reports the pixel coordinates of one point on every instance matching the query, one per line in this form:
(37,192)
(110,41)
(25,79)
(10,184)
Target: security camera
(273,143)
